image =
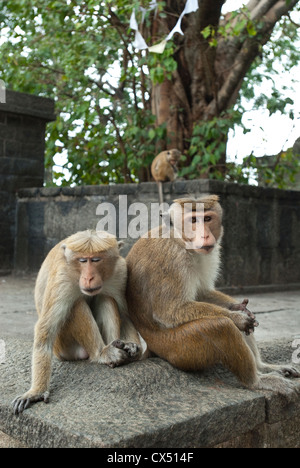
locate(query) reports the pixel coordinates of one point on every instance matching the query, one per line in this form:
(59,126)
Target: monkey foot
(132,349)
(119,353)
(290,372)
(21,403)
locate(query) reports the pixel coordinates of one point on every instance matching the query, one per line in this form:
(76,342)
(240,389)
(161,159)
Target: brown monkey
(164,169)
(173,303)
(80,300)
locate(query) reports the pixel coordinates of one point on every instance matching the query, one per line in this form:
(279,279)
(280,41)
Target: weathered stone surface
(9,442)
(161,404)
(144,404)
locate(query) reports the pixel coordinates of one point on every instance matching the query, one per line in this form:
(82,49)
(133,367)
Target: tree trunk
(209,75)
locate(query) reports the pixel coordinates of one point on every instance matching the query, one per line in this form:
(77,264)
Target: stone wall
(23,121)
(261,245)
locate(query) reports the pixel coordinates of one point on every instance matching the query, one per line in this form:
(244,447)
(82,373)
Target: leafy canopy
(80,54)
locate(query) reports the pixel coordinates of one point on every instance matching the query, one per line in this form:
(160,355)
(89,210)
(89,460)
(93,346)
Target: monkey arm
(41,371)
(222,300)
(227,302)
(219,299)
(196,310)
(121,339)
(53,315)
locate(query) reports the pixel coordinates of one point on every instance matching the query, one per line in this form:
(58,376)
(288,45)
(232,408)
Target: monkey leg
(283,370)
(80,337)
(209,341)
(203,343)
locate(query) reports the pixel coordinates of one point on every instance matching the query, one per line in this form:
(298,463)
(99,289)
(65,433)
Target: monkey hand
(23,402)
(240,307)
(243,308)
(245,322)
(119,352)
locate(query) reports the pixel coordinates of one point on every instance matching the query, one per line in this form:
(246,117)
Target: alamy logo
(135,220)
(2,92)
(2,351)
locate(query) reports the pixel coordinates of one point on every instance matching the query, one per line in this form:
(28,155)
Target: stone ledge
(145,404)
(29,105)
(180,188)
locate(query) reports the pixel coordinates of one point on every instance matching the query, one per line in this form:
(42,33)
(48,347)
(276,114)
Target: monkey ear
(64,247)
(120,244)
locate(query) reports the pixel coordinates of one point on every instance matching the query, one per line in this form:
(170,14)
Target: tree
(117,107)
(213,58)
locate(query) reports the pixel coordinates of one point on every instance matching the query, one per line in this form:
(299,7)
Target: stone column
(23,120)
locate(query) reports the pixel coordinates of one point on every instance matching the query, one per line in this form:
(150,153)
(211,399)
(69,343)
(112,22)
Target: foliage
(208,144)
(270,171)
(71,51)
(80,53)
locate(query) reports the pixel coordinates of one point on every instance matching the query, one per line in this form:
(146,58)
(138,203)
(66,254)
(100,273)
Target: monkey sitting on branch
(173,303)
(164,169)
(80,300)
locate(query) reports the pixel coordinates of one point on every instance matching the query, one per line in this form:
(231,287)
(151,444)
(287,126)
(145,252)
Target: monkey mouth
(92,291)
(206,248)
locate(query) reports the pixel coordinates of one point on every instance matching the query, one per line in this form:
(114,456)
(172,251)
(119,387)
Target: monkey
(173,302)
(82,310)
(164,168)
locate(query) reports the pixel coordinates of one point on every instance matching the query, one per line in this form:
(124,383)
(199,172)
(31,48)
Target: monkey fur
(173,303)
(164,168)
(82,311)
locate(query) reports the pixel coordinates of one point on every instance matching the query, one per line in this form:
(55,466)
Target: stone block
(144,404)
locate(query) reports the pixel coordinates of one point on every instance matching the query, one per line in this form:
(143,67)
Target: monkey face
(201,231)
(173,157)
(91,271)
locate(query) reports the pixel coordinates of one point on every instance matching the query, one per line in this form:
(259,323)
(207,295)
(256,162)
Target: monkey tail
(203,343)
(160,192)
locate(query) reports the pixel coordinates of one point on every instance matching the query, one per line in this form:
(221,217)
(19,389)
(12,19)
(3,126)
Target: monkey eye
(82,260)
(96,259)
(207,219)
(194,219)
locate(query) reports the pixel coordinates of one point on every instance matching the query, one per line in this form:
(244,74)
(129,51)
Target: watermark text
(145,220)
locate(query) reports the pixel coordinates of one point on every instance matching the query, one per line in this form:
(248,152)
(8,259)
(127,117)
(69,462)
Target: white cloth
(140,43)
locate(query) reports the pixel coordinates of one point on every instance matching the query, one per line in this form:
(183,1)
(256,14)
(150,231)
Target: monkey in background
(80,300)
(164,169)
(173,303)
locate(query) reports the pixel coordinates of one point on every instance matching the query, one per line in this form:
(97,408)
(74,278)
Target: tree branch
(261,9)
(249,50)
(292,21)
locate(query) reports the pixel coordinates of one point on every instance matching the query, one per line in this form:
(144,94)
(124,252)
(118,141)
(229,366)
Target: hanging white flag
(190,7)
(158,48)
(140,43)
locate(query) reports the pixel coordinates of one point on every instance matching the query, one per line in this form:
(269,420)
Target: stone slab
(144,404)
